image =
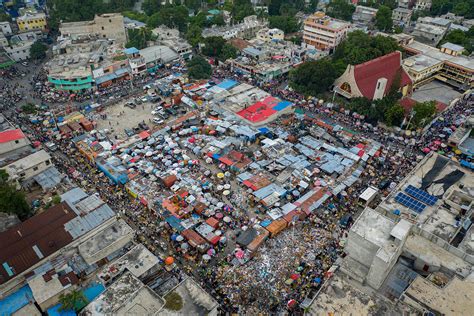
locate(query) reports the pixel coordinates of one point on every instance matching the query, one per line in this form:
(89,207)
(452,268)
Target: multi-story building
(422,5)
(428,33)
(448,65)
(107,26)
(12,141)
(268,35)
(246,30)
(323,32)
(3,41)
(29,166)
(6,28)
(363,15)
(401,16)
(32,21)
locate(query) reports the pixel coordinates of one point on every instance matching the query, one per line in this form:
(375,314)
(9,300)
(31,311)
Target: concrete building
(32,21)
(127,296)
(76,56)
(363,16)
(13,141)
(422,5)
(170,37)
(323,32)
(29,166)
(112,238)
(416,247)
(107,26)
(3,41)
(457,71)
(428,33)
(157,55)
(436,21)
(268,35)
(401,16)
(452,49)
(245,30)
(19,51)
(373,78)
(462,137)
(6,28)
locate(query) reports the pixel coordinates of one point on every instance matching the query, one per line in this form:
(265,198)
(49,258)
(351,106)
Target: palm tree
(73,300)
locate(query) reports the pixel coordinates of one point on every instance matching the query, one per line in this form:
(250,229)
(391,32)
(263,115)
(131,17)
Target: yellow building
(32,22)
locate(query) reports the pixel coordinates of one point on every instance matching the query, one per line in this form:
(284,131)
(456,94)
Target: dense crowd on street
(287,268)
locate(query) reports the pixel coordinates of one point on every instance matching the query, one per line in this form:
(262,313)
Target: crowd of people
(290,267)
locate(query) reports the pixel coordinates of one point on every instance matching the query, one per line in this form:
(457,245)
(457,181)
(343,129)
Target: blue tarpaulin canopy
(282,105)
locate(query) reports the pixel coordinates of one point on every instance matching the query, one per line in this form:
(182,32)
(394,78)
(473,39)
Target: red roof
(42,234)
(11,135)
(388,66)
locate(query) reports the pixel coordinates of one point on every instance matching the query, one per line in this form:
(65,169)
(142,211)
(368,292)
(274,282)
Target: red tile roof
(11,135)
(45,231)
(388,66)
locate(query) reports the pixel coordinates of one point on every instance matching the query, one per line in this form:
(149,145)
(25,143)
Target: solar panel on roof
(421,195)
(410,202)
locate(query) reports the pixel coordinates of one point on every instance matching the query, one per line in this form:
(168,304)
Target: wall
(13,145)
(361,249)
(19,53)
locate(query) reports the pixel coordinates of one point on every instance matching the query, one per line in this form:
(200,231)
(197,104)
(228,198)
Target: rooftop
(11,135)
(420,62)
(429,28)
(107,240)
(126,296)
(435,53)
(373,227)
(158,52)
(453,299)
(454,47)
(34,239)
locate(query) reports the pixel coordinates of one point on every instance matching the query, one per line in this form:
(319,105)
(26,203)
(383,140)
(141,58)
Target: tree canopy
(424,112)
(199,68)
(171,16)
(73,10)
(359,47)
(459,7)
(340,9)
(241,9)
(12,201)
(314,77)
(138,37)
(216,46)
(38,50)
(383,19)
(287,24)
(465,39)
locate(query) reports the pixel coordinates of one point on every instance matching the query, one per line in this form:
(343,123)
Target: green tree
(194,35)
(241,9)
(424,112)
(12,201)
(171,16)
(142,17)
(228,52)
(394,115)
(383,19)
(287,24)
(340,9)
(217,20)
(38,50)
(213,46)
(4,17)
(359,47)
(74,300)
(199,68)
(314,77)
(151,6)
(138,37)
(465,39)
(274,7)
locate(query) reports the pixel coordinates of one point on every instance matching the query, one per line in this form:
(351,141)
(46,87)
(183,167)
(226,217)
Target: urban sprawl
(236,158)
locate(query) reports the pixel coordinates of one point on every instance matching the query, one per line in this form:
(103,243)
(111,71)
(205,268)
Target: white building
(28,166)
(401,16)
(268,35)
(6,28)
(12,141)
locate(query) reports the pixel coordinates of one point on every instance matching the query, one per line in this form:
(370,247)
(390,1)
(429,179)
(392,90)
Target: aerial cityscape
(236,157)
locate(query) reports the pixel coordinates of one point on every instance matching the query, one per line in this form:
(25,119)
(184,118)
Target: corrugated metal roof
(85,223)
(49,178)
(45,231)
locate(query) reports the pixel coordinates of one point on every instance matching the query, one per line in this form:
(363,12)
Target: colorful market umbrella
(239,254)
(169,261)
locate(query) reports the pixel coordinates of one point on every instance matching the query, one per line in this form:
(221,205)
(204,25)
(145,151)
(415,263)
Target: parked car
(130,105)
(158,121)
(129,132)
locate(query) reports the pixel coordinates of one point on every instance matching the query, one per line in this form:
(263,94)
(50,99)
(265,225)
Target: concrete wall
(361,249)
(13,145)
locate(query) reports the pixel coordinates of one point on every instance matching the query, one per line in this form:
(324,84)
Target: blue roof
(131,50)
(227,84)
(105,78)
(15,301)
(214,12)
(121,71)
(282,105)
(252,51)
(263,130)
(90,293)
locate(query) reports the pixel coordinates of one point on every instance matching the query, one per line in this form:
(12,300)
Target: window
(102,28)
(48,162)
(110,20)
(17,141)
(22,174)
(35,168)
(378,85)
